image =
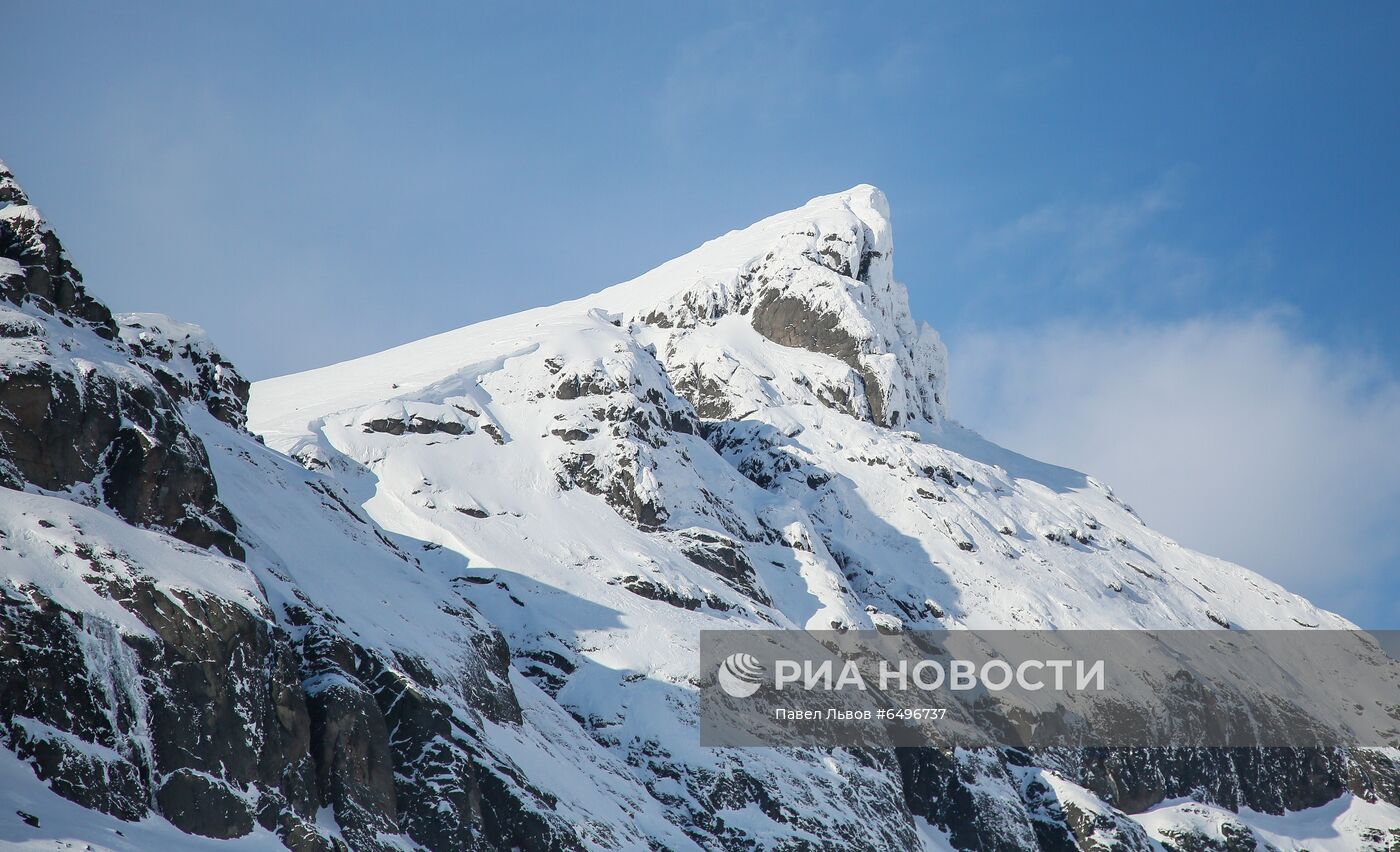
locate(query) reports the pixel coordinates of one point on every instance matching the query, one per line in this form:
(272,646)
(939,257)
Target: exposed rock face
(186,364)
(393,759)
(1106,786)
(114,441)
(39,271)
(218,721)
(791,321)
(81,411)
(972,794)
(41,656)
(1267,780)
(148,706)
(140,675)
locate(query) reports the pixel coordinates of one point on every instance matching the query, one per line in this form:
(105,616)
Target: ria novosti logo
(740,675)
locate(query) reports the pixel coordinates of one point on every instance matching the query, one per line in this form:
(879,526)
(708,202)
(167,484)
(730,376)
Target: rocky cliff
(186,635)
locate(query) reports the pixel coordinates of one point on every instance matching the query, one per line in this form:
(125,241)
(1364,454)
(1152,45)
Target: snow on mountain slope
(807,255)
(68,553)
(992,538)
(1344,825)
(319,561)
(753,434)
(308,680)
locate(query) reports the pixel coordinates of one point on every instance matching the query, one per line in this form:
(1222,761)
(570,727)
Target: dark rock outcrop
(212,714)
(83,412)
(958,793)
(149,721)
(392,757)
(46,276)
(790,321)
(187,365)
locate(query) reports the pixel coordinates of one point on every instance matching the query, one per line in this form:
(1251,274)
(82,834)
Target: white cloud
(1232,435)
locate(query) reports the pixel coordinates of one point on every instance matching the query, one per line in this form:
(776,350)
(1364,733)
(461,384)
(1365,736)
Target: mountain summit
(817,279)
(449,595)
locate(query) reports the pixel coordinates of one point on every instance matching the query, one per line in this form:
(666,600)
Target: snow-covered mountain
(457,594)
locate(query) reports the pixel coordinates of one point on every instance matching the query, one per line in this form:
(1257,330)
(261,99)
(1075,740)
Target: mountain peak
(862,209)
(865,200)
(818,279)
(34,267)
(799,308)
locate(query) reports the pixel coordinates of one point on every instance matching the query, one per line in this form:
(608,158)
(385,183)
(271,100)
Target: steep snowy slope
(755,434)
(633,375)
(307,679)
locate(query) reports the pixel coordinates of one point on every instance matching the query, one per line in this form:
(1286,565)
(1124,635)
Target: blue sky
(1182,222)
